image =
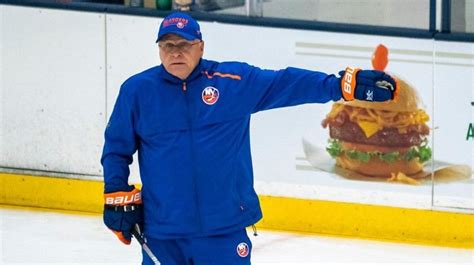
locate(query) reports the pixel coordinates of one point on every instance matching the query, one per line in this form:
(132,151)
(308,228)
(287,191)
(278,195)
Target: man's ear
(201,45)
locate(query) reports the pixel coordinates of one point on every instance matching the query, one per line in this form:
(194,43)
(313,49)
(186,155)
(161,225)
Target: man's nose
(175,52)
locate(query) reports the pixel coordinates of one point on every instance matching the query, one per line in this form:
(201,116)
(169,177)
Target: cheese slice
(369,128)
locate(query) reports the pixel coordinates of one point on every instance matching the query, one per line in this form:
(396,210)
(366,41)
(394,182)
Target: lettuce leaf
(423,153)
(358,155)
(389,157)
(335,148)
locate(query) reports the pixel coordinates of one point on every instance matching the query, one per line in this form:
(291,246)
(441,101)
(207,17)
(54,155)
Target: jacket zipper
(196,197)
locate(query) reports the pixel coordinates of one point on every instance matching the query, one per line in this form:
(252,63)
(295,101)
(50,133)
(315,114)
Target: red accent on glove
(397,88)
(121,237)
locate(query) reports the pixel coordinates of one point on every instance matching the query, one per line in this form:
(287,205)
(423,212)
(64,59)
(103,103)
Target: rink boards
(280,213)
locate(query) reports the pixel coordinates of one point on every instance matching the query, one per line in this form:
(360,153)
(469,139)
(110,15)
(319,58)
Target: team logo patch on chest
(210,95)
(243,250)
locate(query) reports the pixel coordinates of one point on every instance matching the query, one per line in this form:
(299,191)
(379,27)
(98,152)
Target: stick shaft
(150,254)
(136,233)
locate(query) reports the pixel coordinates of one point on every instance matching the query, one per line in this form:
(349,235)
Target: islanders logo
(243,250)
(180,25)
(210,95)
(177,21)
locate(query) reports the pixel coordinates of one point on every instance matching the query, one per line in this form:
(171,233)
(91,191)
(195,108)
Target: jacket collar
(194,74)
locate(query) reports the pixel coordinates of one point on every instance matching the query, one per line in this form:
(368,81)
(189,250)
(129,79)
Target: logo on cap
(243,250)
(210,95)
(180,24)
(178,21)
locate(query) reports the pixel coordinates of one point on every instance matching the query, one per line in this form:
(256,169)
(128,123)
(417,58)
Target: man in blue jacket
(189,120)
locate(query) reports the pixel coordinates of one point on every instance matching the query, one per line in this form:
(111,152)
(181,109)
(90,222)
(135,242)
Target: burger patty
(351,132)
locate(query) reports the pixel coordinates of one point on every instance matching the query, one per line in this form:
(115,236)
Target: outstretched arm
(293,86)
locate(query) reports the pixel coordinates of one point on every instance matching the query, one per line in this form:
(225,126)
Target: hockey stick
(138,235)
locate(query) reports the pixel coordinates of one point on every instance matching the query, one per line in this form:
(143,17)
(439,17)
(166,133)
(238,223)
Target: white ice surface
(38,237)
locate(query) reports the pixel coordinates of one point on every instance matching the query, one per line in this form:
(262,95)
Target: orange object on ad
(380,58)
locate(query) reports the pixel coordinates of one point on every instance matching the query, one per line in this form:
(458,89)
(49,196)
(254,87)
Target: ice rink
(30,236)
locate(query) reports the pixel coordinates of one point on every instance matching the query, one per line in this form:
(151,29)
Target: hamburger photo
(380,139)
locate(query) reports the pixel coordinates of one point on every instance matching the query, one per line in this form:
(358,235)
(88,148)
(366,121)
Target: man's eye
(169,46)
(182,45)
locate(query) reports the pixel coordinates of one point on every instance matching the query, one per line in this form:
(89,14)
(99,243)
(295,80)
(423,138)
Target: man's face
(180,56)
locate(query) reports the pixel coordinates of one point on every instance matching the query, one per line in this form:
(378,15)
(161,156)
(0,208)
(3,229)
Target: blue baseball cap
(181,24)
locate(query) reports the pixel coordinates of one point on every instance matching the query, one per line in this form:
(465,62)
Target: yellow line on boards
(290,214)
(49,192)
(368,221)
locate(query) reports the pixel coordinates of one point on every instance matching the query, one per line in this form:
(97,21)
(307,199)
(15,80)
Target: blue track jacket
(193,141)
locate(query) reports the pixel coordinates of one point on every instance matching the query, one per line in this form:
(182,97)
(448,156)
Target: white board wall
(53,89)
(1,79)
